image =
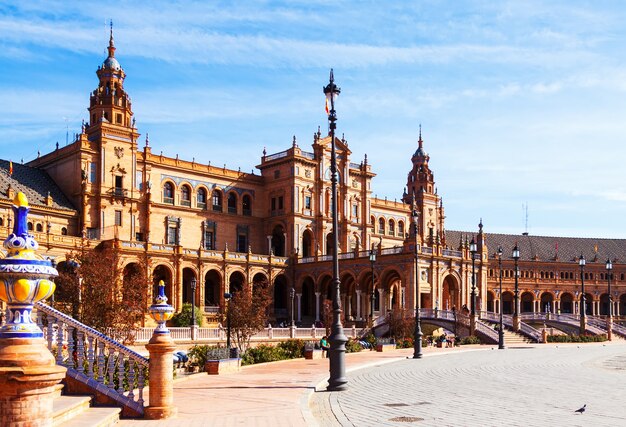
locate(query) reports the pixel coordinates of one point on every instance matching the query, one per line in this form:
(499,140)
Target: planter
(223,366)
(314,353)
(385,347)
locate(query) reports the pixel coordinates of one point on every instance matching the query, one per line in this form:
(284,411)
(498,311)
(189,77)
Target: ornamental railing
(94,359)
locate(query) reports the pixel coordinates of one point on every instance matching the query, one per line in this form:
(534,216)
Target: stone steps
(511,337)
(75,411)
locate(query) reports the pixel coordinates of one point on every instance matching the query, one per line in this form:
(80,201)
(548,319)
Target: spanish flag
(10,168)
(327,108)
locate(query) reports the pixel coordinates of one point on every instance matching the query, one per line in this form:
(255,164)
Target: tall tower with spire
(109,103)
(421,186)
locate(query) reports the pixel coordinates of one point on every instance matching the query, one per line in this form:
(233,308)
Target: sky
(522,103)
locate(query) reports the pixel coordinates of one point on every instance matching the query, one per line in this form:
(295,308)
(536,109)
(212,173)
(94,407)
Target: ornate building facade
(227,230)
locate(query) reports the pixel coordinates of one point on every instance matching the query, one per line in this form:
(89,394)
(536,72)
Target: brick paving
(534,386)
(268,394)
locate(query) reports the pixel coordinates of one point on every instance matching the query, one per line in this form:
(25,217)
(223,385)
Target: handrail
(94,359)
(507,320)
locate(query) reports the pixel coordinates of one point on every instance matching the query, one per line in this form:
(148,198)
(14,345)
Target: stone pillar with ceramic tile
(29,375)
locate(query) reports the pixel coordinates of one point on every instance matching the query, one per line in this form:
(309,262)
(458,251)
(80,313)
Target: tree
(401,324)
(95,290)
(248,313)
(183,317)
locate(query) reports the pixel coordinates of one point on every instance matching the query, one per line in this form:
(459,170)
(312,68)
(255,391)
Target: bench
(222,366)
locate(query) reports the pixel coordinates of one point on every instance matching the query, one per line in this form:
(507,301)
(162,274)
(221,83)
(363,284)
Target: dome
(111,64)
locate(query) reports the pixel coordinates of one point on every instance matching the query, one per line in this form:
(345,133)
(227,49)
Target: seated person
(324,345)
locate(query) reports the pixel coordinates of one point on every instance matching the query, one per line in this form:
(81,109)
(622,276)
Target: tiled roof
(548,248)
(34,183)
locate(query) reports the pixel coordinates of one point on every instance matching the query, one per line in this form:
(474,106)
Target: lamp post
(500,329)
(337,352)
(227,297)
(609,321)
(417,334)
(516,256)
(583,297)
(373,296)
(193,308)
(473,251)
(292,294)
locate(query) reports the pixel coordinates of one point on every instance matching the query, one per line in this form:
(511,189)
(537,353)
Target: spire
(111,42)
(420,142)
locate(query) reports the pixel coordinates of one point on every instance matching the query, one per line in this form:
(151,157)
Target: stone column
(358,304)
(317,306)
(381,302)
(161,388)
(29,375)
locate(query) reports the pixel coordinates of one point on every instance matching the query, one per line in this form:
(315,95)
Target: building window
(172,230)
(171,235)
(280,203)
(168,193)
(400,229)
(30,226)
(307,203)
(232,203)
(247,205)
(201,198)
(209,235)
(392,228)
(93,172)
(185,195)
(381,225)
(277,204)
(217,201)
(139,181)
(118,218)
(276,174)
(119,186)
(64,231)
(242,238)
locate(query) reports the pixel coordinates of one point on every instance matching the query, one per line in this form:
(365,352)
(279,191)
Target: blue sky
(521,102)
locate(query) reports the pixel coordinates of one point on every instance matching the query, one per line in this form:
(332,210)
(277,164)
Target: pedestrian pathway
(268,394)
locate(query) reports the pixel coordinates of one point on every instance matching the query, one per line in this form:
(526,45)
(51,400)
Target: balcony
(118,192)
(185,203)
(217,208)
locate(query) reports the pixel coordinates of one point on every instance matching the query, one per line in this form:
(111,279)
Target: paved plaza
(529,386)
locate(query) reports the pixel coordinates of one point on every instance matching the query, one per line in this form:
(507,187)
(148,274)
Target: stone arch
(507,302)
(527,302)
(281,298)
(567,303)
(349,296)
(259,279)
(130,272)
(278,240)
(451,295)
(588,303)
(201,197)
(325,287)
(307,243)
(169,189)
(547,303)
(189,274)
(185,194)
(307,303)
(491,298)
(329,244)
(231,202)
(621,309)
(236,282)
(212,288)
(604,304)
(246,205)
(391,282)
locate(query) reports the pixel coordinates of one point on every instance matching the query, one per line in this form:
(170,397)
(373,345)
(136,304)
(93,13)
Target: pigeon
(581,410)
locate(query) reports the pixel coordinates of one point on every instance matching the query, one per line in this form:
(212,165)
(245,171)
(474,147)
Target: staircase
(76,411)
(512,338)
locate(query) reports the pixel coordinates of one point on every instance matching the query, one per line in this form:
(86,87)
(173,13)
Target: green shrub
(263,353)
(469,340)
(371,339)
(577,338)
(183,317)
(353,346)
(293,348)
(405,343)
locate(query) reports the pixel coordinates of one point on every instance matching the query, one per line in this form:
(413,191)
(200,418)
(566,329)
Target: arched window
(392,227)
(201,198)
(39,228)
(185,195)
(400,228)
(217,200)
(381,225)
(232,203)
(372,220)
(64,231)
(247,205)
(168,193)
(30,226)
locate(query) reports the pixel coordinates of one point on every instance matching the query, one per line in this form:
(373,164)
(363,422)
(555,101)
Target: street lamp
(500,330)
(417,334)
(292,294)
(193,308)
(609,322)
(473,251)
(372,261)
(227,297)
(583,297)
(516,322)
(338,340)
